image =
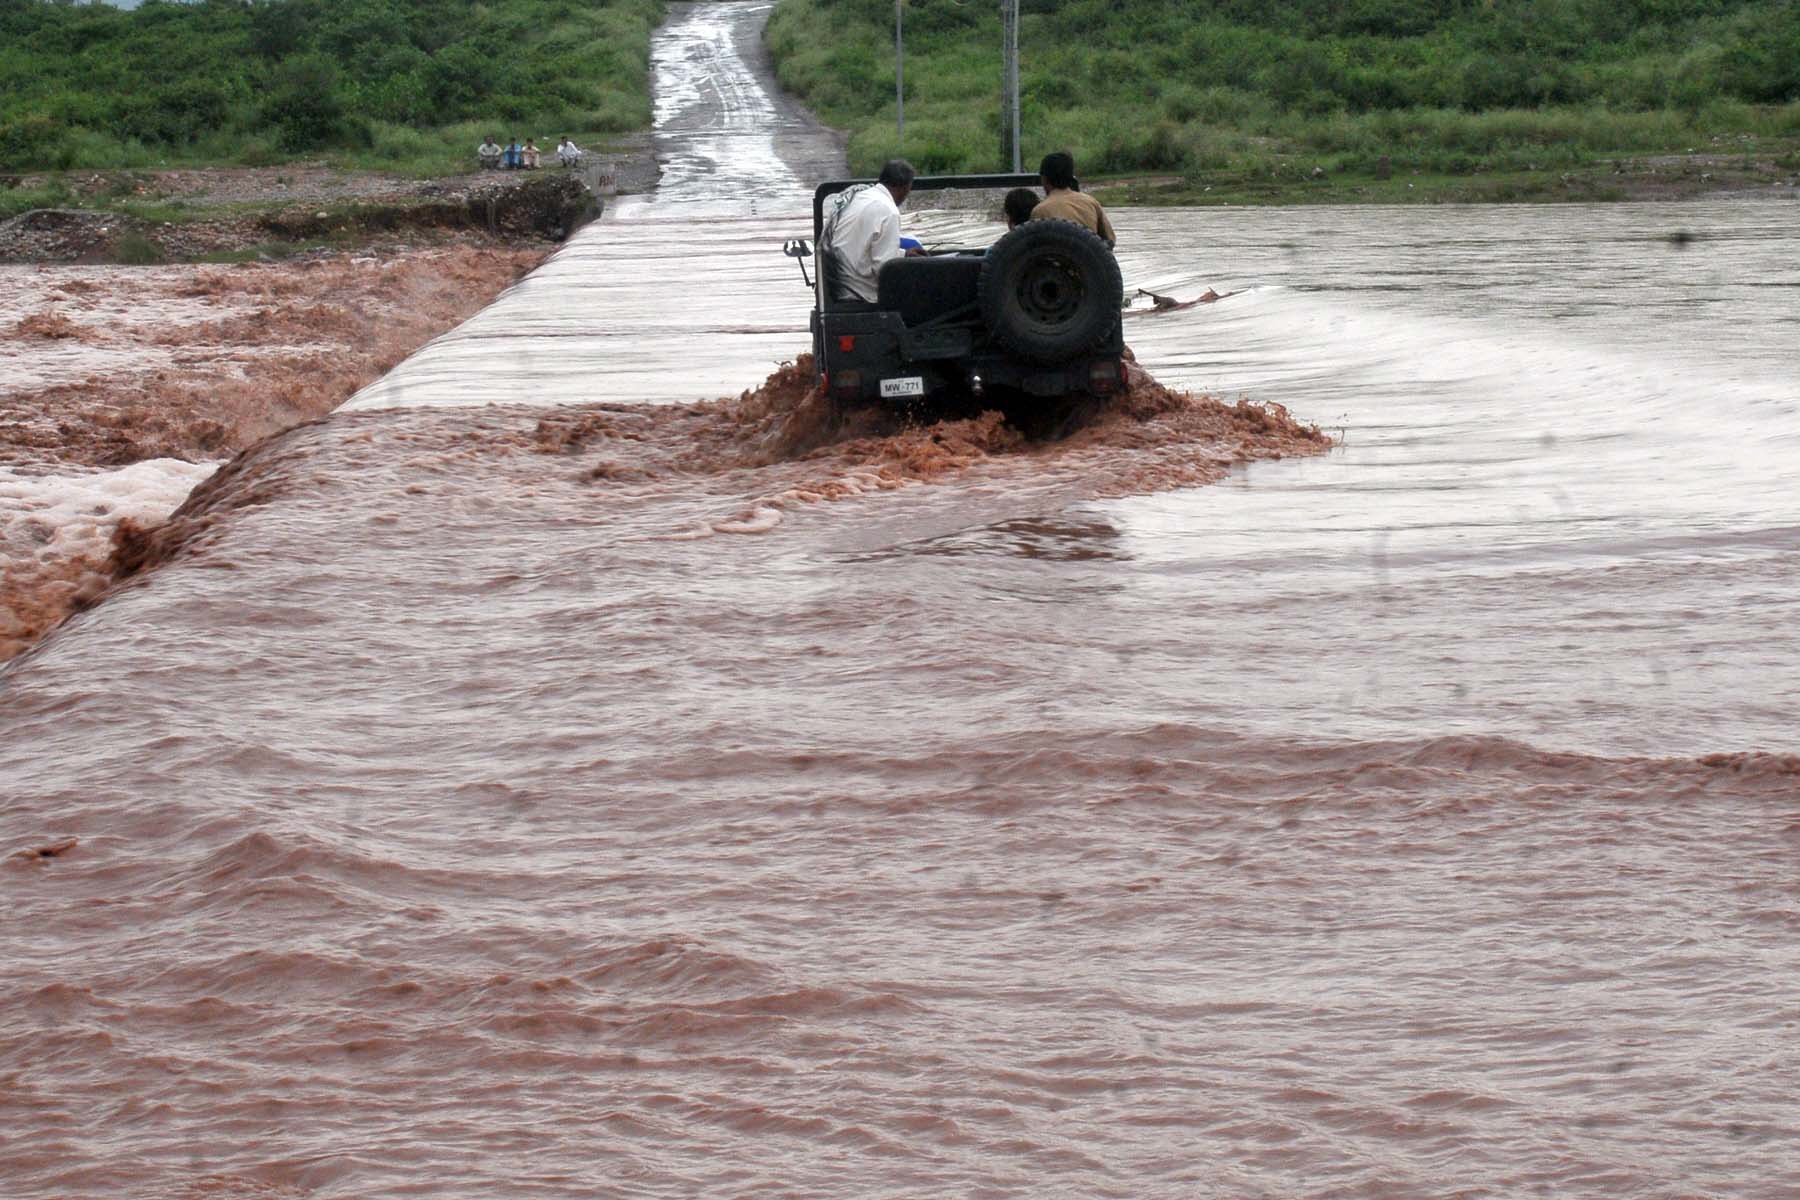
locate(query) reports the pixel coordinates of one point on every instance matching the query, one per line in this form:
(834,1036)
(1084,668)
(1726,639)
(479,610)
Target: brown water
(492,799)
(123,387)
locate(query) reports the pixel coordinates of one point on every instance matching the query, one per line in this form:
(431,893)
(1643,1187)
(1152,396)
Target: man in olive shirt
(1065,201)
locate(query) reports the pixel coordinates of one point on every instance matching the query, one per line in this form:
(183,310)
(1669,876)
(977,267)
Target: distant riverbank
(1298,101)
(230,214)
(1296,179)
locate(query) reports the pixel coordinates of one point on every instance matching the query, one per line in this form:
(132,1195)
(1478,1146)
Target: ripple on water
(1412,820)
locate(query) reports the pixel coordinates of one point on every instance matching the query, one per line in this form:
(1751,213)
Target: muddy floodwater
(529,782)
(121,388)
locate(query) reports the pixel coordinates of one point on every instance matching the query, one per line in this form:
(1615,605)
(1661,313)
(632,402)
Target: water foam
(75,513)
(56,532)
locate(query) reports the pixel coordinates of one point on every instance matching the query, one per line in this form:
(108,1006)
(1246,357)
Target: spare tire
(1050,290)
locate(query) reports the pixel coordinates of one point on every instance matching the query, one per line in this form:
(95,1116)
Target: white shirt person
(863,230)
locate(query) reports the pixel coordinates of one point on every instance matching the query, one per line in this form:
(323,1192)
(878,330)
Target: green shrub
(33,141)
(14,201)
(303,105)
(136,250)
(97,86)
(1761,60)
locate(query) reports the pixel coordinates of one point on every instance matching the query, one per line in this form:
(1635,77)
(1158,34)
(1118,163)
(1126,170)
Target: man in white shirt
(862,230)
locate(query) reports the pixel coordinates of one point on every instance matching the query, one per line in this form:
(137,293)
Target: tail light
(846,385)
(1104,376)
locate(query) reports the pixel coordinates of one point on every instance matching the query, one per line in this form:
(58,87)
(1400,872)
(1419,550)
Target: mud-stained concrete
(724,127)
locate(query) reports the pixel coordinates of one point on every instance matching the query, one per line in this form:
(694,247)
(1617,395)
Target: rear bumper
(856,352)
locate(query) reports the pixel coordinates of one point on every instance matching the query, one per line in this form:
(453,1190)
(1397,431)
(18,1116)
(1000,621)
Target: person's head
(1058,170)
(897,177)
(1018,205)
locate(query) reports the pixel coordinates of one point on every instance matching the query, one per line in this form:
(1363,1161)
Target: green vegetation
(14,201)
(1254,95)
(409,85)
(119,195)
(136,250)
(262,252)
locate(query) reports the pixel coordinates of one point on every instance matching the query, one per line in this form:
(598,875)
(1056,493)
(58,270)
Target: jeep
(1034,316)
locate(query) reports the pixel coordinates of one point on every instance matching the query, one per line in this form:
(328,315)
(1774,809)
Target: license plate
(911,385)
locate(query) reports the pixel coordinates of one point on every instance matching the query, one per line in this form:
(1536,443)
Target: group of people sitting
(514,157)
(863,229)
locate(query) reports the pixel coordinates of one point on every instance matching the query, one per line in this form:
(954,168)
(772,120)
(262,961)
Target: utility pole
(899,77)
(1009,26)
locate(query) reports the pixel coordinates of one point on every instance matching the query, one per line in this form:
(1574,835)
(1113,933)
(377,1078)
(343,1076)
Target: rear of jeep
(1036,315)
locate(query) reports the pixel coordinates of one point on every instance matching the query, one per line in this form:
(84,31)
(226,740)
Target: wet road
(460,814)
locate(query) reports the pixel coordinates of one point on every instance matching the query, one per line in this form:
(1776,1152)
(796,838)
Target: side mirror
(797,249)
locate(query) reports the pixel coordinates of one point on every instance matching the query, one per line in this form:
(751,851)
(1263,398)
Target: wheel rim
(1050,290)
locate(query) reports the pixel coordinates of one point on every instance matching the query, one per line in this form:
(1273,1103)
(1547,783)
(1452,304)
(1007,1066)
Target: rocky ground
(220,213)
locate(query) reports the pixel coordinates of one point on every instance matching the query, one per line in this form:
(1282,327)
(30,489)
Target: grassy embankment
(1328,100)
(408,86)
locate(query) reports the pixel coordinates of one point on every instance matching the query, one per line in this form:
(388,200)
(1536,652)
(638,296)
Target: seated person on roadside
(568,153)
(862,230)
(1065,201)
(513,156)
(489,153)
(531,154)
(1017,206)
